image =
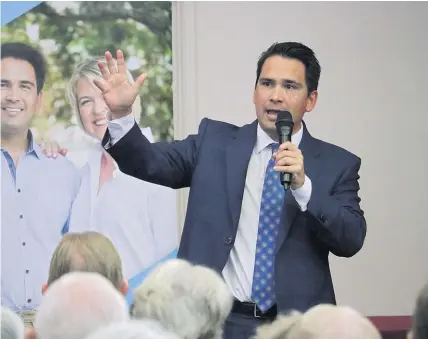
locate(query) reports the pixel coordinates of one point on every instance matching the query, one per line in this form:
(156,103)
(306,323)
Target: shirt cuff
(119,127)
(303,194)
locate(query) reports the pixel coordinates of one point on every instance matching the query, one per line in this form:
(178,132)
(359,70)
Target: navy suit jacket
(214,162)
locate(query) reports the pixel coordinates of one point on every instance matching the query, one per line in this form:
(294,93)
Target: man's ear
(311,101)
(125,287)
(44,288)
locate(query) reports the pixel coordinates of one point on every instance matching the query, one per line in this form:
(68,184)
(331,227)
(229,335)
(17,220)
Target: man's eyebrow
(284,81)
(292,82)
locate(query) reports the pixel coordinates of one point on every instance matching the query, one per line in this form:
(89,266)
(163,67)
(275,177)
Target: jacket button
(322,217)
(228,240)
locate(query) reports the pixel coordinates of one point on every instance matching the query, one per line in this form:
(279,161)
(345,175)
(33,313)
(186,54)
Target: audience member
(77,304)
(332,322)
(134,329)
(12,326)
(87,252)
(420,316)
(280,328)
(192,301)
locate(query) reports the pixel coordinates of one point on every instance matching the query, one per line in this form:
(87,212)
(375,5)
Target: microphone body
(284,127)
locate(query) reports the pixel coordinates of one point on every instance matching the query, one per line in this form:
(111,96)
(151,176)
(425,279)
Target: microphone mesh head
(284,116)
(284,119)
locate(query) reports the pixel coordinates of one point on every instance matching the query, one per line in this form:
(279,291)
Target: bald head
(77,304)
(333,322)
(134,329)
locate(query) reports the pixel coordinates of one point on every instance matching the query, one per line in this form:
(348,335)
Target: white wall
(373,95)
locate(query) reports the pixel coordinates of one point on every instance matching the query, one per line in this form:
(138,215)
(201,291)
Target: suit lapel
(238,153)
(291,210)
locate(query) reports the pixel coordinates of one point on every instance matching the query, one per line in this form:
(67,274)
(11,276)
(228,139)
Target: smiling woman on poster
(142,224)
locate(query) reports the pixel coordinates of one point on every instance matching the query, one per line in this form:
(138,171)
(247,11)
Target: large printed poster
(54,95)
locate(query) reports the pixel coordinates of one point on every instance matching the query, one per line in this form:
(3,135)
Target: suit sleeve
(340,222)
(162,163)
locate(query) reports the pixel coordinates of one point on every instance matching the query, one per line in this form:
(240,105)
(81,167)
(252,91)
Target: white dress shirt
(239,269)
(140,218)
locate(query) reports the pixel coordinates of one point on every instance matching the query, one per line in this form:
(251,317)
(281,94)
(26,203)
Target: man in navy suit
(270,246)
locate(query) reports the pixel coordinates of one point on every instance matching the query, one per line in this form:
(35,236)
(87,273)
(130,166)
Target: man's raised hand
(118,92)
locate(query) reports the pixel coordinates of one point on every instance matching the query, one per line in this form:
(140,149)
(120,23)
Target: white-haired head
(12,326)
(190,300)
(333,322)
(77,304)
(134,329)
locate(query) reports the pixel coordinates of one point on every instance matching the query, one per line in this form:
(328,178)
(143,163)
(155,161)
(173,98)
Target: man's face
(19,98)
(282,86)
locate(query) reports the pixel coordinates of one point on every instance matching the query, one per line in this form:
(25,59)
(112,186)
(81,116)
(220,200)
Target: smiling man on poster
(36,192)
(271,246)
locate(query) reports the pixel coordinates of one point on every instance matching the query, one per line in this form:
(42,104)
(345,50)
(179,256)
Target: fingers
(289,158)
(102,84)
(110,63)
(287,146)
(288,161)
(121,67)
(55,148)
(104,70)
(293,169)
(286,153)
(140,81)
(47,148)
(63,151)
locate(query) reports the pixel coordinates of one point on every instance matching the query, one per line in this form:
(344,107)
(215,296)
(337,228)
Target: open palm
(119,94)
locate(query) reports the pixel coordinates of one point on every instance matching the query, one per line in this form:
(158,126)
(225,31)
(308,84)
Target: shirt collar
(33,148)
(264,140)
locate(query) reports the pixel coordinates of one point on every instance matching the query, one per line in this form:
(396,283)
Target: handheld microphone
(284,127)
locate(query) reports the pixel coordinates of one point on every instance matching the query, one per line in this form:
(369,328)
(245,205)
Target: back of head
(86,252)
(333,322)
(12,326)
(21,51)
(192,301)
(78,304)
(134,329)
(420,315)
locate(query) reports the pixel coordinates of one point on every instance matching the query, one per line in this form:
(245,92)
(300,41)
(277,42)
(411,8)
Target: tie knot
(275,147)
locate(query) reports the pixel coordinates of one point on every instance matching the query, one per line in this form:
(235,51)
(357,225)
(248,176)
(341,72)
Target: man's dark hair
(21,51)
(298,51)
(420,315)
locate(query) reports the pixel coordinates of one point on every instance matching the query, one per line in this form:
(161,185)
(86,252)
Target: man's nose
(277,94)
(12,95)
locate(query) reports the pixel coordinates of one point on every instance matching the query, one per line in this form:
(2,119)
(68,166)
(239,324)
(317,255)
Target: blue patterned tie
(263,292)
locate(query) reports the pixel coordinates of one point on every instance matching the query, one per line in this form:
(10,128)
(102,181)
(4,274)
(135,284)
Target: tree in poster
(68,32)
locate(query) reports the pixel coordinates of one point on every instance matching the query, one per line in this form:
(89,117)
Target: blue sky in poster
(12,9)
